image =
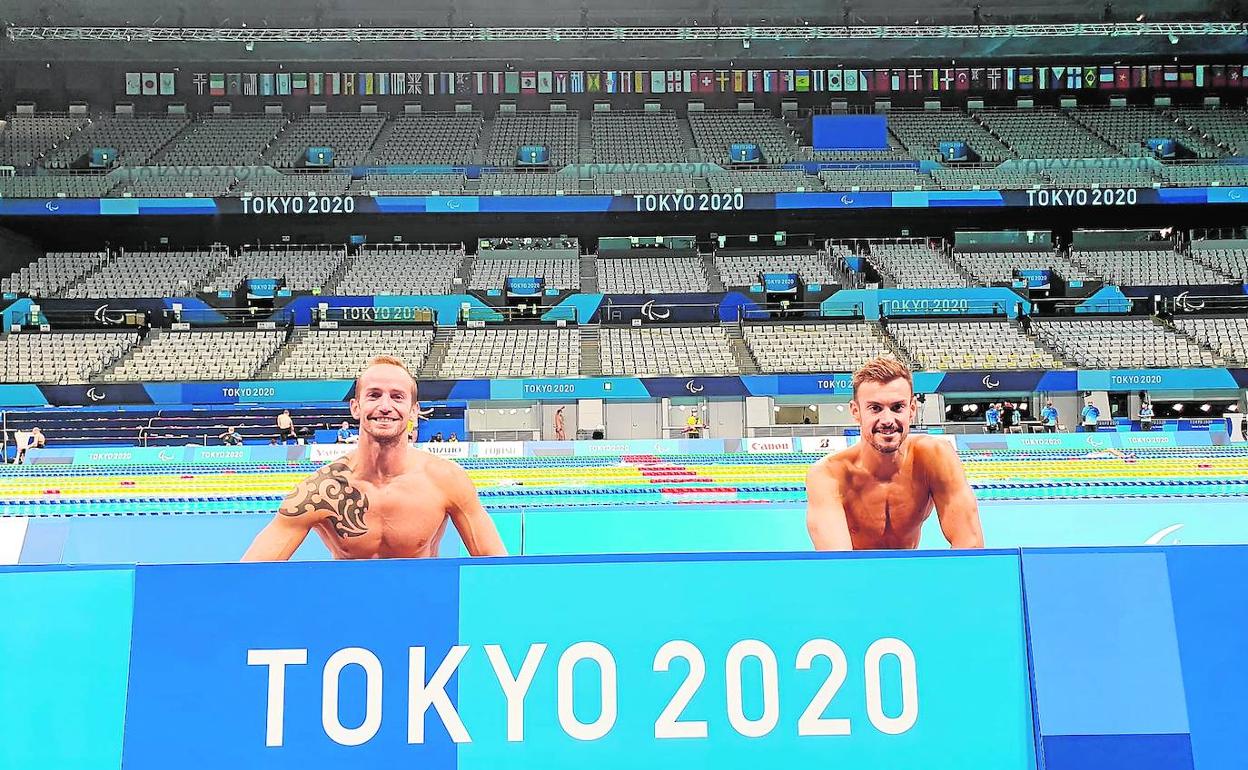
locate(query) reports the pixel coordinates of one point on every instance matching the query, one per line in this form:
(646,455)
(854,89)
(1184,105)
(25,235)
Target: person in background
(992,419)
(436,438)
(560,430)
(1009,417)
(1048,416)
(285,427)
(1089,417)
(345,434)
(34,439)
(454,439)
(231,437)
(1146,415)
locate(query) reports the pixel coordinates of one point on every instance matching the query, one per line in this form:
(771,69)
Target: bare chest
(886,514)
(397,521)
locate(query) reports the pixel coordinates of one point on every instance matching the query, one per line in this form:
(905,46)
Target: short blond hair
(387,360)
(882,370)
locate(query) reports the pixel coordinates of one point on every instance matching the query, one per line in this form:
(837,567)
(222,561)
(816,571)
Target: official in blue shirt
(992,418)
(345,434)
(1089,417)
(1048,415)
(1146,415)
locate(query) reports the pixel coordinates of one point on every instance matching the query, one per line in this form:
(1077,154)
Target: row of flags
(748,81)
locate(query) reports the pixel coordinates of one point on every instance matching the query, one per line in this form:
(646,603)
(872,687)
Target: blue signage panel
(1155,379)
(871,303)
(780,283)
(524,287)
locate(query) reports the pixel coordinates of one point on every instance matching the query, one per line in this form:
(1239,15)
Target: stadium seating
(26,138)
(1042,133)
(62,358)
(640,183)
(985,178)
(558,132)
(875,179)
(84,185)
(763,181)
(300,268)
(666,351)
(490,272)
(523,352)
(167,183)
(1227,127)
(401,269)
(136,138)
(1230,262)
(715,131)
(637,137)
(217,140)
(53,272)
(916,266)
(1128,129)
(1161,267)
(301,183)
(197,355)
(814,347)
(528,183)
(971,345)
(432,138)
(644,275)
(1203,175)
(1227,336)
(1086,177)
(410,184)
(1122,343)
(996,266)
(152,274)
(923,131)
(340,354)
(350,135)
(746,269)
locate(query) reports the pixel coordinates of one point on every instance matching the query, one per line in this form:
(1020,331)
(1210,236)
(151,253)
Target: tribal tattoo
(331,489)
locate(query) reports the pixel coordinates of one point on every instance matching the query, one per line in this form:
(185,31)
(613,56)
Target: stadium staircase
(591,351)
(335,278)
(235,258)
(1179,332)
(891,342)
(465,271)
(713,281)
(585,142)
(740,351)
(483,142)
(387,129)
(293,337)
(87,276)
(589,274)
(689,144)
(442,337)
(146,336)
(1044,344)
(1195,256)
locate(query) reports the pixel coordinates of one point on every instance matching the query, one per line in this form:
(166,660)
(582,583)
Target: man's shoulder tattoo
(330,489)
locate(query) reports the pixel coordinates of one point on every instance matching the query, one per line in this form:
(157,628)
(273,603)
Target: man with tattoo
(384,499)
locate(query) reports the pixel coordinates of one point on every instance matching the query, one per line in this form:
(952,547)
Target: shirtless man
(878,493)
(384,499)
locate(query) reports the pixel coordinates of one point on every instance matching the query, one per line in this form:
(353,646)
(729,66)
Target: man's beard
(886,449)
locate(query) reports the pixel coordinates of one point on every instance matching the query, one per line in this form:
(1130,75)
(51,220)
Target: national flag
(333,83)
(479,82)
(1234,78)
(836,80)
(528,82)
(658,81)
(1011,78)
(1169,76)
(723,80)
(1122,77)
(640,81)
(897,80)
(1057,78)
(624,82)
(463,82)
(233,84)
(1155,76)
(977,78)
(561,82)
(675,82)
(612,84)
(689,81)
(1074,78)
(915,76)
(819,80)
(866,79)
(738,81)
(933,79)
(545,82)
(593,82)
(364,87)
(250,84)
(283,84)
(446,82)
(216,84)
(381,82)
(769,80)
(151,87)
(576,81)
(994,78)
(1026,78)
(801,81)
(1105,77)
(431,83)
(348,83)
(134,83)
(316,83)
(1042,78)
(496,83)
(1187,76)
(168,83)
(962,79)
(755,78)
(1217,76)
(299,83)
(850,80)
(511,82)
(1139,77)
(1202,75)
(786,81)
(1243,75)
(706,82)
(415,85)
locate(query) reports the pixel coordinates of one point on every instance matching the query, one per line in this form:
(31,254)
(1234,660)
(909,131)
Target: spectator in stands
(560,434)
(1089,417)
(345,434)
(231,437)
(1048,416)
(1146,415)
(285,427)
(992,419)
(454,439)
(436,438)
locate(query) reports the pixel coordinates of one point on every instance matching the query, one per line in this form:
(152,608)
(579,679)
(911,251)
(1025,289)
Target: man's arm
(825,512)
(475,526)
(955,502)
(326,494)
